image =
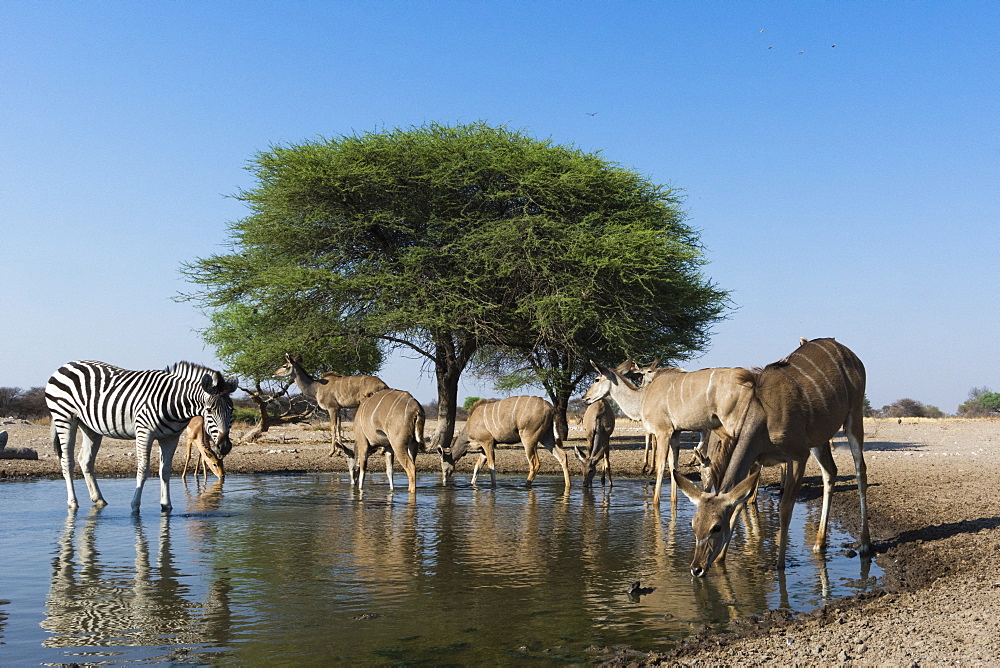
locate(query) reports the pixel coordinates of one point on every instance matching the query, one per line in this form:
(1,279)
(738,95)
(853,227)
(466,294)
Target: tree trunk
(450,359)
(561,404)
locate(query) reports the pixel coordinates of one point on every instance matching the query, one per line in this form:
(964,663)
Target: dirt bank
(935,518)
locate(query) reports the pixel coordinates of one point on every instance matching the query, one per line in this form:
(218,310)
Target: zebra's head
(218,410)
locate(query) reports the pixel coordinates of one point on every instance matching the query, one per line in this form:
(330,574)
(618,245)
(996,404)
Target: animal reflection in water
(94,602)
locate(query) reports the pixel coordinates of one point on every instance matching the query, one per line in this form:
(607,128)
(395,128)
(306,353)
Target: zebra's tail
(54,437)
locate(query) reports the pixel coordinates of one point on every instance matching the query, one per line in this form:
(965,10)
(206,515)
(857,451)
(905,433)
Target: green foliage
(252,340)
(981,403)
(452,240)
(469,401)
(250,415)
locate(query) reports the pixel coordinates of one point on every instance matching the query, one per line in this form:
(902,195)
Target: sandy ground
(935,520)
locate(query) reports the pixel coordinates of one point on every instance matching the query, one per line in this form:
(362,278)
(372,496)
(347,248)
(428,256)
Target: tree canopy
(452,240)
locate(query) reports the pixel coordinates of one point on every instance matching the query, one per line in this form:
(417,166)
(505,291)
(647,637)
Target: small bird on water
(636,590)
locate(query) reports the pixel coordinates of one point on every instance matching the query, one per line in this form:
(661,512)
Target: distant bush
(981,403)
(23,404)
(910,408)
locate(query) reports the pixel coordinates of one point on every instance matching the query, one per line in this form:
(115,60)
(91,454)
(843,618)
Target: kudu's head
(713,518)
(646,372)
(606,379)
(217,410)
(451,455)
(287,369)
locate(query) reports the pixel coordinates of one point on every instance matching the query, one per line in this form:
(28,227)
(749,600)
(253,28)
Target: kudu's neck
(307,384)
(628,397)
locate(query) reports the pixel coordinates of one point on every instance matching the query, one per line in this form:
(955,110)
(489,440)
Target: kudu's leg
(559,453)
(828,468)
(407,458)
(666,456)
(187,460)
(791,480)
(661,464)
(388,466)
(855,430)
(607,466)
(488,449)
(531,452)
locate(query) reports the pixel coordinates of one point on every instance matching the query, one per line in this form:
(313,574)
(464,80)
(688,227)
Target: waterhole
(302,570)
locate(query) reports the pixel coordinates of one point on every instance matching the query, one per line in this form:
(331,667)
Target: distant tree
(981,403)
(910,408)
(866,408)
(8,397)
(445,240)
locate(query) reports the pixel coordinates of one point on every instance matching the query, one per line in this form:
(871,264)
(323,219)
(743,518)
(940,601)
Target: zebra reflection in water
(93,602)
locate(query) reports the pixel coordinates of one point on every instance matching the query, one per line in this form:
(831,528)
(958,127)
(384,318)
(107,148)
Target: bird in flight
(591,114)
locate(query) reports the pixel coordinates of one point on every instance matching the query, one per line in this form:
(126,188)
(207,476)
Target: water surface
(303,570)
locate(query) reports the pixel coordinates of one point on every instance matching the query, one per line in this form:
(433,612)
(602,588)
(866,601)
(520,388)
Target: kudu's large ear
(625,366)
(690,489)
(738,495)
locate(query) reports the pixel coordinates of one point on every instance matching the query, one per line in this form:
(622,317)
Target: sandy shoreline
(935,520)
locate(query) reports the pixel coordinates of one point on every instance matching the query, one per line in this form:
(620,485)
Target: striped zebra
(104,400)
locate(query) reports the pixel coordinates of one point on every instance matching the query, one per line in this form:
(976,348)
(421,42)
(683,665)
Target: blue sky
(847,191)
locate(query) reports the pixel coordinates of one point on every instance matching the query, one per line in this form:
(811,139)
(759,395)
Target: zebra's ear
(208,383)
(232,384)
(214,383)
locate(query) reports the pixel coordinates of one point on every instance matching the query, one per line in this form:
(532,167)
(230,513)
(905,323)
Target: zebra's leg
(168,446)
(90,443)
(143,444)
(63,436)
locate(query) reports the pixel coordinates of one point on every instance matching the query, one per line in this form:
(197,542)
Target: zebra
(104,400)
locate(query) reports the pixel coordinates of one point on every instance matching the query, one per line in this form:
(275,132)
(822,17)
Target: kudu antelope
(648,373)
(391,419)
(675,401)
(197,436)
(331,392)
(797,405)
(527,420)
(598,424)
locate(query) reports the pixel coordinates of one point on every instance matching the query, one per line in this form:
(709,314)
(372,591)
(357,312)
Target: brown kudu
(598,424)
(648,373)
(331,392)
(390,419)
(797,405)
(526,419)
(675,400)
(197,436)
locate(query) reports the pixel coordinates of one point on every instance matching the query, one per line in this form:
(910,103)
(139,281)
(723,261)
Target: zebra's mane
(189,370)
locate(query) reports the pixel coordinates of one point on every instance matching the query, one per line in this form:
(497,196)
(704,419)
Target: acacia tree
(445,240)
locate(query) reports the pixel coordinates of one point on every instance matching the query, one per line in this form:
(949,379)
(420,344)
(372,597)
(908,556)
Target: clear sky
(847,191)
